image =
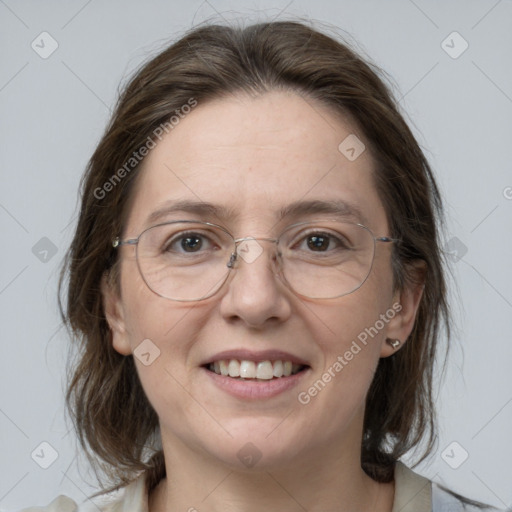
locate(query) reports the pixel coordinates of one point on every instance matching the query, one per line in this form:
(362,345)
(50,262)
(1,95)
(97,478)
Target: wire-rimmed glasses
(188,260)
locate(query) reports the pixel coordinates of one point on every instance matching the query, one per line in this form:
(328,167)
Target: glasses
(187,260)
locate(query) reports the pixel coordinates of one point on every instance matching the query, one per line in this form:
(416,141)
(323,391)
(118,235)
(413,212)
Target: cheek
(169,380)
(350,332)
(349,342)
(162,334)
(341,322)
(168,328)
(335,393)
(147,315)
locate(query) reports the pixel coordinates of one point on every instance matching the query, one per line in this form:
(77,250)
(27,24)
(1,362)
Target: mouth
(255,375)
(258,371)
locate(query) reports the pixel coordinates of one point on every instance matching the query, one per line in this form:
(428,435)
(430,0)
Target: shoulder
(133,498)
(60,504)
(415,493)
(445,500)
(65,504)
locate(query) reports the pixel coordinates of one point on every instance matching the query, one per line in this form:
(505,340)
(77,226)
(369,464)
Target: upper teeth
(265,370)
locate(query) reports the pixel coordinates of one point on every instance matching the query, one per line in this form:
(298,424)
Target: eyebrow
(337,208)
(199,208)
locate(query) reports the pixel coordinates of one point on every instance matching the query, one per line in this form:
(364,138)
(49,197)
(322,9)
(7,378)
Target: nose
(254,293)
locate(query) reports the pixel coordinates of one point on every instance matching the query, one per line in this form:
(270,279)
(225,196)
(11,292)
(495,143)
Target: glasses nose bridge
(239,241)
(236,254)
(263,239)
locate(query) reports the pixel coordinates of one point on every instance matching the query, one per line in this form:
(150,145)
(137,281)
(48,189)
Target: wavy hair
(116,425)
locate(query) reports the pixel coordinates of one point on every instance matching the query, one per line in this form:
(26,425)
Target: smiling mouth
(255,370)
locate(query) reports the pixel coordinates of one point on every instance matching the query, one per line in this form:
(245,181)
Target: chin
(252,457)
(255,444)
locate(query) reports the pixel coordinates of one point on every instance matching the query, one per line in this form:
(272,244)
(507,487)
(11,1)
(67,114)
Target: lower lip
(253,389)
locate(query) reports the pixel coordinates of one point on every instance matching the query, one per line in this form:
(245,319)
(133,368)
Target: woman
(256,284)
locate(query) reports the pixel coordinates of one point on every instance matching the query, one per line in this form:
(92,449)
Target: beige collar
(412,491)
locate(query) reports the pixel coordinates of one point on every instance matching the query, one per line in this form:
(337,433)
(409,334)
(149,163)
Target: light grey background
(54,110)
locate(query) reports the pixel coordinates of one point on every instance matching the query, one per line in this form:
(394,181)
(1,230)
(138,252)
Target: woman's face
(251,158)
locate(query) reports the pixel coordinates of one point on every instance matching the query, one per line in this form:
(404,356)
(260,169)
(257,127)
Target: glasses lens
(187,260)
(184,260)
(327,260)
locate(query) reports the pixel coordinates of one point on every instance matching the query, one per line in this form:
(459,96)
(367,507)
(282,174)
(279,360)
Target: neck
(326,480)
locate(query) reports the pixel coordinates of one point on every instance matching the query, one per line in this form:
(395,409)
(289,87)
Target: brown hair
(116,425)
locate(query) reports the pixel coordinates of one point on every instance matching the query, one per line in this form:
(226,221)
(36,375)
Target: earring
(394,343)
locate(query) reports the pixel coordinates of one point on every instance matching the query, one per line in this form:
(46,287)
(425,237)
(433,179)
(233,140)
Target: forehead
(253,157)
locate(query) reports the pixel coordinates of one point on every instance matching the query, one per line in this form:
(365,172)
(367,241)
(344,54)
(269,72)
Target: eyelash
(332,238)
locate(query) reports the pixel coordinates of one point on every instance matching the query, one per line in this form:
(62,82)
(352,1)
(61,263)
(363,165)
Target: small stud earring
(394,343)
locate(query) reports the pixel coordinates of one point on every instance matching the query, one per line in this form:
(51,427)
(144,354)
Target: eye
(188,243)
(318,242)
(321,242)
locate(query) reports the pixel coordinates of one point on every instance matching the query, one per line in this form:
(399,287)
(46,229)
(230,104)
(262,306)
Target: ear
(405,304)
(113,309)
